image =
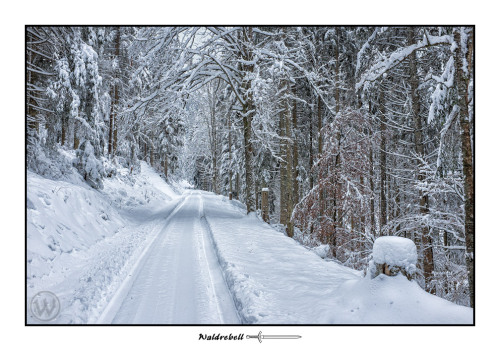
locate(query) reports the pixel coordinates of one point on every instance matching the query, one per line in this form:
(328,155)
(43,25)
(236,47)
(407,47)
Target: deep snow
(275,280)
(144,251)
(81,243)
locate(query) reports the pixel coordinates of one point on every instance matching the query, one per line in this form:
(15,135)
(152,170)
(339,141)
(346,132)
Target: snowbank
(275,280)
(393,300)
(80,241)
(83,244)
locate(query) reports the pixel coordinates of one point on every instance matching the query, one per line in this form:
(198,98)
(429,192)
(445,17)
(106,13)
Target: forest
(358,132)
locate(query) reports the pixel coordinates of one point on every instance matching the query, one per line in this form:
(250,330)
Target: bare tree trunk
(113,135)
(151,156)
(337,199)
(165,165)
(397,212)
(111,126)
(372,185)
(237,185)
(265,205)
(31,76)
(311,153)
(215,179)
(320,151)
(229,141)
(372,195)
(383,162)
(282,163)
(289,167)
(212,132)
(463,80)
(64,127)
(249,179)
(247,111)
(320,126)
(76,140)
(428,263)
(362,221)
(115,138)
(295,168)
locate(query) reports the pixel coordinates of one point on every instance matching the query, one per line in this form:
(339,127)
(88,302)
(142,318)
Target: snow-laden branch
(365,47)
(385,64)
(231,83)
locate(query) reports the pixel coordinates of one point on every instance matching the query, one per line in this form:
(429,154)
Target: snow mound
(393,300)
(81,241)
(276,280)
(321,250)
(395,251)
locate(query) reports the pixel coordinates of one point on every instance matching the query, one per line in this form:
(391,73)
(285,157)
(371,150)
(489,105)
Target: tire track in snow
(224,299)
(115,302)
(179,280)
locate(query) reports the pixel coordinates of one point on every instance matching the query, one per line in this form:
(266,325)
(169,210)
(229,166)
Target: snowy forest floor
(142,251)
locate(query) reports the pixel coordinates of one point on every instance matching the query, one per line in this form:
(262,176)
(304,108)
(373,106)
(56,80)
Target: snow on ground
(274,280)
(179,280)
(142,251)
(393,300)
(82,242)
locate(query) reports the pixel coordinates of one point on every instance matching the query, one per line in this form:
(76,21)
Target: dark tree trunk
(112,137)
(372,194)
(337,199)
(428,255)
(289,168)
(248,111)
(151,156)
(237,186)
(463,80)
(111,126)
(249,179)
(320,126)
(76,140)
(229,142)
(372,185)
(383,162)
(295,170)
(282,164)
(165,165)
(64,127)
(320,151)
(311,152)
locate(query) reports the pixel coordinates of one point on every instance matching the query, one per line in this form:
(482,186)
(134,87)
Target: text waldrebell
(221,337)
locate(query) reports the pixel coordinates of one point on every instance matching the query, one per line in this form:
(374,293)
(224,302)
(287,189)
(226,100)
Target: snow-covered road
(179,280)
(140,253)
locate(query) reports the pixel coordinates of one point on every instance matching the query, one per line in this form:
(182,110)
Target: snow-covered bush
(450,276)
(50,163)
(392,255)
(109,167)
(89,166)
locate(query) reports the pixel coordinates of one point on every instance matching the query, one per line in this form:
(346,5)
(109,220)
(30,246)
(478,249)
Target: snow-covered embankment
(275,280)
(81,243)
